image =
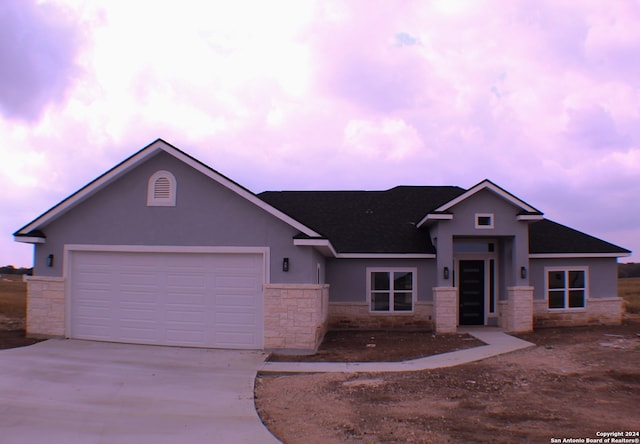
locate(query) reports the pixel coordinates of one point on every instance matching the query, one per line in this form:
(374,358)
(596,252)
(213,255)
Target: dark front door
(471,290)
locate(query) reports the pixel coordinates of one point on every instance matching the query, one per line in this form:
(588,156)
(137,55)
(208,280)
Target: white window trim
(582,268)
(414,289)
(484,227)
(153,201)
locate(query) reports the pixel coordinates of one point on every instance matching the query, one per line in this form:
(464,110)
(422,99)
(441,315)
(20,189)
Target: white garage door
(186,299)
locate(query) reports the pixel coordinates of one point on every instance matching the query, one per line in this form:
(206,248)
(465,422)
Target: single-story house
(162,249)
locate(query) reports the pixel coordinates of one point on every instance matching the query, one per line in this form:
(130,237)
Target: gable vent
(161,190)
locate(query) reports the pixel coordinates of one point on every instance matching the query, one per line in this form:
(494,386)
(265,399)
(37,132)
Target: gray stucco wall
(603,275)
(515,234)
(505,268)
(348,277)
(206,214)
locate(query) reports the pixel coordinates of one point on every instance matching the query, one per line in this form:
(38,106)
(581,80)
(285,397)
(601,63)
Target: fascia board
(529,217)
(30,239)
(385,256)
(323,244)
(434,217)
(575,255)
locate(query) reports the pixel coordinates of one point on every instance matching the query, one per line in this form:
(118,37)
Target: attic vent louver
(161,190)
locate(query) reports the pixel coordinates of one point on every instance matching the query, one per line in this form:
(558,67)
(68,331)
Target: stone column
(445,309)
(45,306)
(519,310)
(295,316)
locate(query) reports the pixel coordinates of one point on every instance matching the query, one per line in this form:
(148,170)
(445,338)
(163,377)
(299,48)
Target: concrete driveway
(69,391)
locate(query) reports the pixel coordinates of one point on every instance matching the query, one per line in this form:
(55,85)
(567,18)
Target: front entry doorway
(471,288)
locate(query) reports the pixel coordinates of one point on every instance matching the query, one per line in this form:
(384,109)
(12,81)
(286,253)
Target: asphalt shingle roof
(546,236)
(366,221)
(385,221)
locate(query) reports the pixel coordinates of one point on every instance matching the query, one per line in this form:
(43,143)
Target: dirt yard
(574,384)
(380,346)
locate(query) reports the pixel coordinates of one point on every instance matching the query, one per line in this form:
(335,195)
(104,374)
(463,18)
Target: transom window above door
(391,290)
(474,246)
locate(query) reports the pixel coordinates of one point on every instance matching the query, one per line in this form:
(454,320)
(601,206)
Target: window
(566,288)
(484,220)
(473,246)
(391,290)
(161,190)
(492,286)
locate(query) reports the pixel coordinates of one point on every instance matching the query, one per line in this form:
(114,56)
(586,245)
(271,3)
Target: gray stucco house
(163,249)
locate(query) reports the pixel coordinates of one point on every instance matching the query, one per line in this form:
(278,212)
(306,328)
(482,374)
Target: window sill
(566,310)
(392,313)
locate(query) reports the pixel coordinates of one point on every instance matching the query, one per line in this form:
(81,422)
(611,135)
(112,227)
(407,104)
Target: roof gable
(443,211)
(30,232)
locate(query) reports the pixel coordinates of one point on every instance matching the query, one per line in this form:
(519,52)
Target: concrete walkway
(497,342)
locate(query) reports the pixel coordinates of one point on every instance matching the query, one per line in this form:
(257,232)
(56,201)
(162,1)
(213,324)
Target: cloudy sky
(541,97)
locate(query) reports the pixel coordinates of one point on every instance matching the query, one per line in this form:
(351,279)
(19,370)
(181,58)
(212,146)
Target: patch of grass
(629,290)
(13,298)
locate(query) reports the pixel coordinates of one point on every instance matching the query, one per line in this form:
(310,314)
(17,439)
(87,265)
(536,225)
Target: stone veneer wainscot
(45,306)
(598,311)
(356,316)
(295,316)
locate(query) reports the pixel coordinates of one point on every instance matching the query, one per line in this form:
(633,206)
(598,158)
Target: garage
(193,299)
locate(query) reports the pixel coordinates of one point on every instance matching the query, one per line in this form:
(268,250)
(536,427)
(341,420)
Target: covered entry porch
(483,282)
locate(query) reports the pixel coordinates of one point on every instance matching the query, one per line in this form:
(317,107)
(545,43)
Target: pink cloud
(37,55)
(540,97)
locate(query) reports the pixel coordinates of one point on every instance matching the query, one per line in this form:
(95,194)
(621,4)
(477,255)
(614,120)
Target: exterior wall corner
(45,306)
(295,316)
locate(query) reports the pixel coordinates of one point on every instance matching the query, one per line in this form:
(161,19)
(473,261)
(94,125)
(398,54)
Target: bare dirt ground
(381,346)
(573,384)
